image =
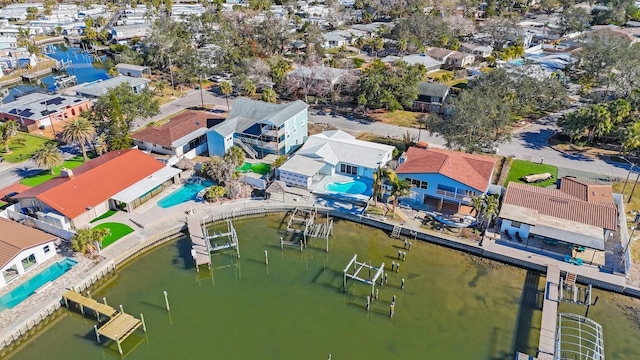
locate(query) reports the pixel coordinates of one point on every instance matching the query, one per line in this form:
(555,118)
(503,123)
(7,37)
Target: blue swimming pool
(187,192)
(350,187)
(19,294)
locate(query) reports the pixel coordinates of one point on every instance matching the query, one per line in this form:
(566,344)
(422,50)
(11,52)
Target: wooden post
(81,309)
(266,257)
(166,301)
(119,347)
(89,294)
(121,309)
(144,326)
(66,302)
(104,300)
(95,327)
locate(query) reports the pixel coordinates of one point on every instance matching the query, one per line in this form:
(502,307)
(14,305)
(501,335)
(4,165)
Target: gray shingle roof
(246,112)
(432,89)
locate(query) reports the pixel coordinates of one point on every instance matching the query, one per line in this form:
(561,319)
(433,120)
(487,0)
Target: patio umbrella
(184,164)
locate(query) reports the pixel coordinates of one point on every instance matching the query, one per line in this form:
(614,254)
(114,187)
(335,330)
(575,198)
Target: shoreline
(13,336)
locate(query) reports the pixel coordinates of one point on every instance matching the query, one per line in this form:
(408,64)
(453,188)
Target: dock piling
(89,294)
(119,347)
(166,301)
(144,326)
(95,328)
(391,310)
(402,285)
(104,300)
(121,309)
(266,258)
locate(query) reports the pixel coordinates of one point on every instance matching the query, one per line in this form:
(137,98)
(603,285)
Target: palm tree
(477,203)
(226,89)
(379,176)
(235,155)
(491,205)
(79,131)
(160,86)
(88,240)
(399,188)
(8,132)
(359,43)
(248,88)
(402,46)
(408,140)
(269,95)
(48,156)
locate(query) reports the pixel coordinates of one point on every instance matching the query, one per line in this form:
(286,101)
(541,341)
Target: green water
(453,305)
(258,168)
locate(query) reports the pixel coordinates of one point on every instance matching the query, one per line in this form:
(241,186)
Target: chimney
(64,172)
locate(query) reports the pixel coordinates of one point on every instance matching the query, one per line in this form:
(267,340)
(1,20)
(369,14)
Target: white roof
(302,165)
(145,185)
(338,146)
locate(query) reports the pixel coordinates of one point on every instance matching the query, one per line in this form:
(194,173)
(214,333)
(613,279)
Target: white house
(94,90)
(21,248)
(330,153)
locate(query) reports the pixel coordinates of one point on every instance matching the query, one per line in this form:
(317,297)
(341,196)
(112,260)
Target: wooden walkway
(200,251)
(88,303)
(119,326)
(546,346)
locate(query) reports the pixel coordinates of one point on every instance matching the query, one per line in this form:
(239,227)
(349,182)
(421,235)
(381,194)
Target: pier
(230,239)
(547,343)
(120,324)
(304,222)
(32,75)
(371,279)
(200,249)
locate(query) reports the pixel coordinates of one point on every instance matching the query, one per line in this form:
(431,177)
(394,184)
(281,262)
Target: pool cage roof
(578,338)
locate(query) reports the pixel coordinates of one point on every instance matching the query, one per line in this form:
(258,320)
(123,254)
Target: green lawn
(520,168)
(104,216)
(46,175)
(258,168)
(118,230)
(20,153)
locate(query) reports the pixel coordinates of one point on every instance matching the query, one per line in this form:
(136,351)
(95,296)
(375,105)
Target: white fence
(41,225)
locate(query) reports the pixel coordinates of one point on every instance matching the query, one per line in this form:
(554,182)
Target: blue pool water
(185,193)
(19,294)
(351,187)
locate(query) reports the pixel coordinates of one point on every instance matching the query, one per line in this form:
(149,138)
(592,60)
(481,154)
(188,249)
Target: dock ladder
(397,229)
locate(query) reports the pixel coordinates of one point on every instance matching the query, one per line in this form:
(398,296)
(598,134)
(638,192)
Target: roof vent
(64,172)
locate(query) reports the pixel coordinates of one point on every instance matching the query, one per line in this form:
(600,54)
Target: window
(515,224)
(418,183)
(348,169)
(46,249)
(29,261)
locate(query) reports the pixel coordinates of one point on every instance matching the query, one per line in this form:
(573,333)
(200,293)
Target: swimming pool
(349,187)
(187,192)
(19,294)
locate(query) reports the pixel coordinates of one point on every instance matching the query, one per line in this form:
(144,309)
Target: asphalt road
(530,142)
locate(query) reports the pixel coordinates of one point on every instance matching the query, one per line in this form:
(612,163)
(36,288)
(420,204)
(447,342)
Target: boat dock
(32,75)
(119,326)
(546,345)
(200,250)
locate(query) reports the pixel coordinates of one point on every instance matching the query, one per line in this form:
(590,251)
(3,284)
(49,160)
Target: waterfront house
(38,110)
(184,135)
(481,51)
(431,97)
(333,153)
(123,33)
(21,248)
(122,179)
(445,180)
(577,212)
(95,89)
(260,128)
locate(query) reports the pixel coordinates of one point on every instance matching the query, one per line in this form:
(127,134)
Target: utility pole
(201,95)
(633,188)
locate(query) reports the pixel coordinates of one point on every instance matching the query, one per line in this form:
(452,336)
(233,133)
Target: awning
(145,185)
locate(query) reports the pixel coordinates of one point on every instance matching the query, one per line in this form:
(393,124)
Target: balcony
(454,195)
(271,145)
(273,132)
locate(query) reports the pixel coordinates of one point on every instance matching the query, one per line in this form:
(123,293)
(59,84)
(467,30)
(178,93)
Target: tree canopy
(391,87)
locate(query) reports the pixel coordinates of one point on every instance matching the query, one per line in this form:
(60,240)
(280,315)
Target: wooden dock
(32,75)
(200,251)
(546,345)
(119,326)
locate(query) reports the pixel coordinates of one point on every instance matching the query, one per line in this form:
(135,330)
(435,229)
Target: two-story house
(260,128)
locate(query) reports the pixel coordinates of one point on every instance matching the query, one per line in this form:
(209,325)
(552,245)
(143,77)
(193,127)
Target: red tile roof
(472,170)
(178,127)
(559,204)
(94,182)
(15,237)
(586,191)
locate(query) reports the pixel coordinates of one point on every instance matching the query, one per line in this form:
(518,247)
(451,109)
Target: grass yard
(46,175)
(20,153)
(118,231)
(520,168)
(381,140)
(398,118)
(104,216)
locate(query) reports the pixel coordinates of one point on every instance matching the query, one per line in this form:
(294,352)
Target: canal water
(83,65)
(453,305)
